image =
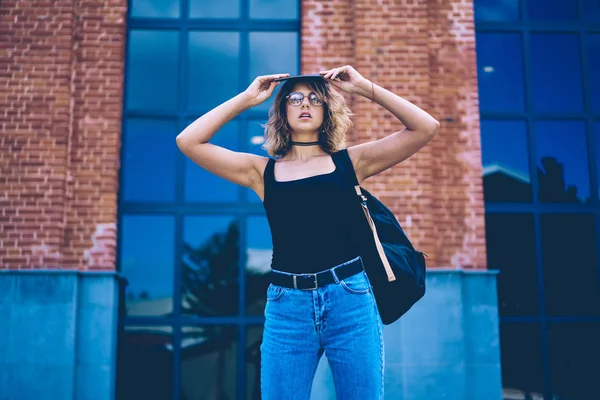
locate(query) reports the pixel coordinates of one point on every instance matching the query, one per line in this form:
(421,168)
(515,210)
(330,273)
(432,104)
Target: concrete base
(446,347)
(59,334)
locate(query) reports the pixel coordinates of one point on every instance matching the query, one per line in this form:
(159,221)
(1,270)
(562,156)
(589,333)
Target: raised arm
(242,168)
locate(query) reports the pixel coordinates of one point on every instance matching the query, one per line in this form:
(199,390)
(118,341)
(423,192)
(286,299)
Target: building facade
(127,272)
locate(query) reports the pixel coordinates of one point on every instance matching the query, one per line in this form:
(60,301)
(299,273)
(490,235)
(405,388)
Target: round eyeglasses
(296,98)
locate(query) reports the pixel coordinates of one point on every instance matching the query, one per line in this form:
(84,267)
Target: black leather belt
(314,281)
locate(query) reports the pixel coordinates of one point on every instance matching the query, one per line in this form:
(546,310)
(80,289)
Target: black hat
(299,77)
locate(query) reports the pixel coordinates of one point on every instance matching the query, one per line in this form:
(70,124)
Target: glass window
(275,9)
(213,69)
(204,186)
(556,73)
(262,47)
(155,8)
(253,342)
(505,161)
(593,54)
(570,267)
(210,266)
(149,160)
(521,355)
(597,146)
(562,161)
(147,256)
(497,10)
(517,279)
(258,264)
(214,9)
(552,10)
(208,362)
(500,72)
(152,70)
(256,138)
(591,9)
(574,353)
(145,363)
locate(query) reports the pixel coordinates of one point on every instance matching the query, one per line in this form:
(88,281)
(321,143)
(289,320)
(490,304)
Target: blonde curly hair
(336,119)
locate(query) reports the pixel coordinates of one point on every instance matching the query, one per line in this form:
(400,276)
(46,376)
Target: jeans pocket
(356,284)
(275,293)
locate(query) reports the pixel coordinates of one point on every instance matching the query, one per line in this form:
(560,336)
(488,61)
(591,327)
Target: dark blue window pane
(562,161)
(254,143)
(574,353)
(152,70)
(210,266)
(500,72)
(505,161)
(263,45)
(149,160)
(213,69)
(521,357)
(570,268)
(545,10)
(556,73)
(591,9)
(147,256)
(258,263)
(209,362)
(275,9)
(145,363)
(214,9)
(155,8)
(497,10)
(254,336)
(593,74)
(204,186)
(517,278)
(597,146)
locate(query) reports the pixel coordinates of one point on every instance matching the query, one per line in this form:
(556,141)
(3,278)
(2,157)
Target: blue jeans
(340,320)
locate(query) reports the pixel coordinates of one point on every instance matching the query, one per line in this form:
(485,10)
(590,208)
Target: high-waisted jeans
(340,320)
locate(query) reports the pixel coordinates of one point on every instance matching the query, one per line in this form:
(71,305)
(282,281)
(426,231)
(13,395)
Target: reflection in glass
(552,10)
(155,8)
(145,363)
(152,68)
(214,9)
(210,265)
(254,142)
(556,73)
(591,9)
(258,264)
(574,353)
(562,161)
(505,161)
(570,269)
(149,160)
(204,186)
(521,358)
(253,342)
(497,10)
(274,9)
(517,279)
(500,72)
(593,53)
(263,45)
(147,255)
(213,70)
(208,362)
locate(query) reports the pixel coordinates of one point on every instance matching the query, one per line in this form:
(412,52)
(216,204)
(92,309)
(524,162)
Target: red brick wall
(61,100)
(425,52)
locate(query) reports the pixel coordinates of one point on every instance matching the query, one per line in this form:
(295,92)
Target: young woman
(320,299)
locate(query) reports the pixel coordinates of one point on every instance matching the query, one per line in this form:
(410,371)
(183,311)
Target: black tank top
(309,220)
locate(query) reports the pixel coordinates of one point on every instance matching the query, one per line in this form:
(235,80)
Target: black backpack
(396,270)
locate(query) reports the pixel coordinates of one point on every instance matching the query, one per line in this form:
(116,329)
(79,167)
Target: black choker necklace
(305,143)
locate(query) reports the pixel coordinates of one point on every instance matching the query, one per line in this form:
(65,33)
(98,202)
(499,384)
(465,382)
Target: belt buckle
(311,288)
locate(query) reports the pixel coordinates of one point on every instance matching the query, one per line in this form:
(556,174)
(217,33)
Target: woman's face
(296,113)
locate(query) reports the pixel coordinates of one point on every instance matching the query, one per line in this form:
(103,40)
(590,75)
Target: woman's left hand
(346,78)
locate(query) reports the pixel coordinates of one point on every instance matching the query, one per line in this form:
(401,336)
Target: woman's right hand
(262,88)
